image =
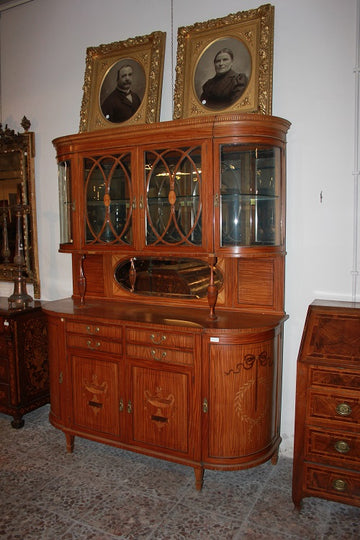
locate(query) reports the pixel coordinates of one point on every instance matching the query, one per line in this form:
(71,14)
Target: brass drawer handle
(205,406)
(157,341)
(342,447)
(343,409)
(92,346)
(153,354)
(339,485)
(89,331)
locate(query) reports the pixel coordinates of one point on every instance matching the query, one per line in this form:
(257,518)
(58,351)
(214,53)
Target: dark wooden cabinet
(24,373)
(327,430)
(172,342)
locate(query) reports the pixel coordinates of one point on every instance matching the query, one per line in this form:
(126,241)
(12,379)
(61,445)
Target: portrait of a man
(222,73)
(122,91)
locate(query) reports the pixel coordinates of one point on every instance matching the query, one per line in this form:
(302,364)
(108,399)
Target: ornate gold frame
(252,32)
(17,155)
(145,52)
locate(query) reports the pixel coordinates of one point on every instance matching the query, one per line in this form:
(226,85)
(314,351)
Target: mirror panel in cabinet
(173,277)
(17,193)
(250,195)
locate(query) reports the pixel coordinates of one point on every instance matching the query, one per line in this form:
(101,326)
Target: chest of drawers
(24,371)
(327,418)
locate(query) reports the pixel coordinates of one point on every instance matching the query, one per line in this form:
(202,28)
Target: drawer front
(159,339)
(336,447)
(333,483)
(343,411)
(94,343)
(100,330)
(335,378)
(159,354)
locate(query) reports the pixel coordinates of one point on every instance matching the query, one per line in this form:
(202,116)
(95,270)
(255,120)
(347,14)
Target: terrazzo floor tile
(104,493)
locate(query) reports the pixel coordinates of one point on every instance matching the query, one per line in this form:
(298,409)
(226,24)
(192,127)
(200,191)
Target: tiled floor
(102,493)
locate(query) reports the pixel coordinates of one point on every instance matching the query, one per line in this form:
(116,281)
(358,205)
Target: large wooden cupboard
(171,344)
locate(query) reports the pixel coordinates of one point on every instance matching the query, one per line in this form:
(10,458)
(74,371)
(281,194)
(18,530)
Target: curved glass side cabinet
(65,202)
(250,195)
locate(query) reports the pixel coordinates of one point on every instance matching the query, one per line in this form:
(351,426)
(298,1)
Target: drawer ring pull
(342,447)
(339,485)
(155,341)
(343,409)
(92,346)
(153,354)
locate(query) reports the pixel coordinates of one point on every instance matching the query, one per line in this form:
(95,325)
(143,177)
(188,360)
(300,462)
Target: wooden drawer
(341,409)
(159,354)
(334,447)
(100,330)
(93,343)
(154,338)
(335,378)
(331,483)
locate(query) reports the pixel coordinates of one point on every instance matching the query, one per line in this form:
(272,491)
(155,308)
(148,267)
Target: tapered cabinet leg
(69,443)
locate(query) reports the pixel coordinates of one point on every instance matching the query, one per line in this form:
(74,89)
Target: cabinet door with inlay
(240,418)
(161,408)
(97,403)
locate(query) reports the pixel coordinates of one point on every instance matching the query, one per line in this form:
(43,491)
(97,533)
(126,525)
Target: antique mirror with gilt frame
(17,195)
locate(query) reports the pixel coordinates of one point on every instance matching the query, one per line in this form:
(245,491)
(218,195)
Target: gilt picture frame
(123,83)
(244,41)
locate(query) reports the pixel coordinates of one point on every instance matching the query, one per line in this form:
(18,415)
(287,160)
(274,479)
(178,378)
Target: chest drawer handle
(157,341)
(340,485)
(343,409)
(342,447)
(153,354)
(92,346)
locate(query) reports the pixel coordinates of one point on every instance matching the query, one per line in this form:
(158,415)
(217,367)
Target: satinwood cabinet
(171,344)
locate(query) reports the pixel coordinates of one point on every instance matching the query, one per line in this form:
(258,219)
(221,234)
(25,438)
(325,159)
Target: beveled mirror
(17,191)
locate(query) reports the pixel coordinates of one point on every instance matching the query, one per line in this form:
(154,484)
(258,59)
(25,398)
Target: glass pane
(250,195)
(64,180)
(108,199)
(184,278)
(173,185)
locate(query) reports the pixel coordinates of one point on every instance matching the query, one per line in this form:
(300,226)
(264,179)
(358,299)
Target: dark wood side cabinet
(327,419)
(24,373)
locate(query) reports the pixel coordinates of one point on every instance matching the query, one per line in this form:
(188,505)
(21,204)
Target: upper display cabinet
(210,188)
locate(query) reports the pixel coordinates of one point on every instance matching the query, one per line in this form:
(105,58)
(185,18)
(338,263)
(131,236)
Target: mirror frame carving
(24,143)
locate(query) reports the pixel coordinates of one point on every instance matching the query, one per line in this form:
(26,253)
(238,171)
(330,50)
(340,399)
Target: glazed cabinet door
(249,196)
(241,400)
(178,197)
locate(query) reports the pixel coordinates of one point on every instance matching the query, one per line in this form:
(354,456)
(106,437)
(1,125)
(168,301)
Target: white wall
(43,47)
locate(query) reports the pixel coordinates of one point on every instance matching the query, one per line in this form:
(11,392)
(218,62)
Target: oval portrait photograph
(222,73)
(122,90)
